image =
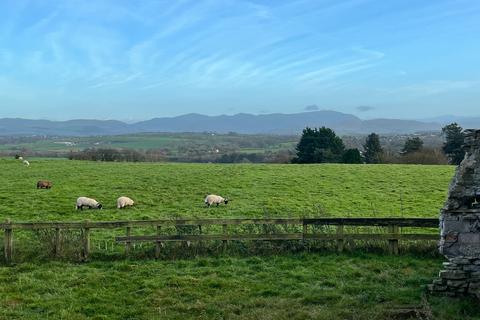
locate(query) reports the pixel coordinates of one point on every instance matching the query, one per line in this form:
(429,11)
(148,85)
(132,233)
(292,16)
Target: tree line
(322,145)
(316,145)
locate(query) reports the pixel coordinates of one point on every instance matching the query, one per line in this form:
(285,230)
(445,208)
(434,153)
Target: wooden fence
(392,230)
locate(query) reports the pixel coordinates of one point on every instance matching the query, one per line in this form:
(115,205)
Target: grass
(303,285)
(164,190)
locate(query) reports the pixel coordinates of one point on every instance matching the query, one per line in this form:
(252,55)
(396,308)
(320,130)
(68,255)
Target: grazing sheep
(26,163)
(123,202)
(214,199)
(20,158)
(44,184)
(88,202)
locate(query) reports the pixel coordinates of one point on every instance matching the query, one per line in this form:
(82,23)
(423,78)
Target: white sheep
(20,158)
(123,202)
(88,202)
(26,163)
(214,199)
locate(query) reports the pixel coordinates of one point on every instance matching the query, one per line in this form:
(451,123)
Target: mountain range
(275,123)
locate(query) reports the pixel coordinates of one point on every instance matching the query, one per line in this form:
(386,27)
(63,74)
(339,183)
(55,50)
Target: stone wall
(460,226)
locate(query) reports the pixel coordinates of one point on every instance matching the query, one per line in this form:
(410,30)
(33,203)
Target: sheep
(123,202)
(20,158)
(44,184)
(214,199)
(88,202)
(26,163)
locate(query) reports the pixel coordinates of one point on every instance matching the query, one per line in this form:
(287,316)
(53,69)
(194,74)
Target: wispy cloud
(364,108)
(432,88)
(312,107)
(116,80)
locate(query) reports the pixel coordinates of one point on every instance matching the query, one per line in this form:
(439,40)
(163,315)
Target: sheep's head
(99,206)
(225,200)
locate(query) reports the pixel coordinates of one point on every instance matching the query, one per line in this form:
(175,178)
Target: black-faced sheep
(88,202)
(212,199)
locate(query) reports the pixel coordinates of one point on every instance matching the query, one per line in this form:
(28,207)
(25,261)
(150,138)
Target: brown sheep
(44,184)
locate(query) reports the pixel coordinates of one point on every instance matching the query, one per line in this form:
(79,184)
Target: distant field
(164,190)
(289,286)
(176,144)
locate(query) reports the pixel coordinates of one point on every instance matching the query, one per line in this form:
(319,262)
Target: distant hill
(275,123)
(465,122)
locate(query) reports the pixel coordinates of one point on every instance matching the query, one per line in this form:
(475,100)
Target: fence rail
(392,234)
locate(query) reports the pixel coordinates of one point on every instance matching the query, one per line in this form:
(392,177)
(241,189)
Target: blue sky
(133,60)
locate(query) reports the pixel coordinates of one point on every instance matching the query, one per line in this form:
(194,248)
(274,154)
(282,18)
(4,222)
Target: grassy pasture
(315,285)
(164,190)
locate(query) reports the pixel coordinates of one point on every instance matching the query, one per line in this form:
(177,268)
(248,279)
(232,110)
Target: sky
(133,60)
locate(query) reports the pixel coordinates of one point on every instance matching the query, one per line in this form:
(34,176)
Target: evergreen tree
(373,150)
(319,145)
(453,143)
(352,156)
(412,145)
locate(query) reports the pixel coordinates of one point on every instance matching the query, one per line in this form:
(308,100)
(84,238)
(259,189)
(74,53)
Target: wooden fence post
(57,245)
(158,243)
(393,242)
(8,242)
(340,239)
(128,243)
(225,232)
(200,243)
(86,241)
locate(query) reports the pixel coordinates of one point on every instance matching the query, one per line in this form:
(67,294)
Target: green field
(171,190)
(302,285)
(174,144)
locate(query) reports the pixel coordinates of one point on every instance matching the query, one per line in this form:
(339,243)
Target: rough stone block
(460,261)
(452,274)
(437,288)
(450,265)
(471,268)
(457,283)
(474,285)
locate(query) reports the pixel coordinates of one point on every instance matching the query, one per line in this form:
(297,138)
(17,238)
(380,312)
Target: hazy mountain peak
(273,123)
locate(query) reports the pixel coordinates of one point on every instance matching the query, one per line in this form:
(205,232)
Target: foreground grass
(171,190)
(296,286)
